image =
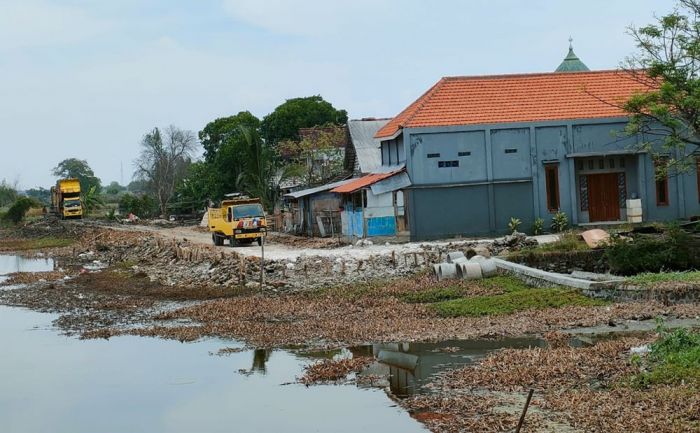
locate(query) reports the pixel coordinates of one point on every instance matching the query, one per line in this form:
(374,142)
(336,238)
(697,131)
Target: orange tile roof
(362,182)
(454,101)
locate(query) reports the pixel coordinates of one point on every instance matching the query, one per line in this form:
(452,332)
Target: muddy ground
(110,281)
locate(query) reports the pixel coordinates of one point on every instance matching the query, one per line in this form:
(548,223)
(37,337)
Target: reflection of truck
(240,219)
(65,199)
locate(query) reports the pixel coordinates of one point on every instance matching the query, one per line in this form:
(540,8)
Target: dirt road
(279,251)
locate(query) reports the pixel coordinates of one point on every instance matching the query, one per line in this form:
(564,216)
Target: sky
(88,78)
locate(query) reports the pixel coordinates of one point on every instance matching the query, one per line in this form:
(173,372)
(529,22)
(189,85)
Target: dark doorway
(603,197)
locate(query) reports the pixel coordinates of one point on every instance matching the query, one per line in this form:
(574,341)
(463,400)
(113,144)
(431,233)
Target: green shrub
(19,209)
(538,226)
(511,302)
(673,358)
(514,224)
(143,206)
(559,222)
(646,253)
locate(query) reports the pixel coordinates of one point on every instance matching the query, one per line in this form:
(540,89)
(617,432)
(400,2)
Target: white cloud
(39,23)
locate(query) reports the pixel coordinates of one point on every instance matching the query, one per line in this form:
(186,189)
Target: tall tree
(224,148)
(260,167)
(667,60)
(78,169)
(284,123)
(164,160)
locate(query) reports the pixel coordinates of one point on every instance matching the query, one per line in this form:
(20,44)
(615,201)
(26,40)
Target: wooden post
(393,258)
(522,417)
(262,261)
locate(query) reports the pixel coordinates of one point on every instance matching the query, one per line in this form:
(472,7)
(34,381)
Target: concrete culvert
(477,259)
(469,271)
(488,268)
(455,256)
(446,271)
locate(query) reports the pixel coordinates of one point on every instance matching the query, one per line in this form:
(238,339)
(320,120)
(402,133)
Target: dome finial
(571,43)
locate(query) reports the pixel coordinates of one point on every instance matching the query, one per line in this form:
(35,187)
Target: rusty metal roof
(363,182)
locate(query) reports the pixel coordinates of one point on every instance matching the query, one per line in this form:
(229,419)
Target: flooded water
(51,383)
(10,264)
(408,367)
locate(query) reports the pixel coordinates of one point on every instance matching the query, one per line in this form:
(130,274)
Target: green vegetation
(559,222)
(8,193)
(143,206)
(667,116)
(513,301)
(538,226)
(19,209)
(514,224)
(646,253)
(36,243)
(674,358)
(649,279)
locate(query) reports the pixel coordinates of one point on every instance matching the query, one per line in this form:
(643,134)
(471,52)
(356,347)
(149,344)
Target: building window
(611,163)
(463,153)
(590,164)
(551,175)
(433,155)
(622,162)
(601,164)
(511,150)
(448,164)
(660,167)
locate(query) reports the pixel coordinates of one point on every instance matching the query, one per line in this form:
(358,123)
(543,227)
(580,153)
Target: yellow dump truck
(65,199)
(240,219)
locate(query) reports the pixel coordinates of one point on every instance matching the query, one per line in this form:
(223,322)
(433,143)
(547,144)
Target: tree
(114,188)
(163,162)
(224,148)
(79,169)
(284,123)
(8,193)
(91,200)
(194,191)
(137,186)
(318,154)
(42,195)
(667,61)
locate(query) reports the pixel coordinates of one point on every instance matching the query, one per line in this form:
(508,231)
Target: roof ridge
(529,74)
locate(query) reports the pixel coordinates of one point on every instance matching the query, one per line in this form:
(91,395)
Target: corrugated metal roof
(322,188)
(369,156)
(392,183)
(362,182)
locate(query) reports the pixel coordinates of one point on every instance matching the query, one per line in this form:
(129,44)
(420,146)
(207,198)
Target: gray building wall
(500,174)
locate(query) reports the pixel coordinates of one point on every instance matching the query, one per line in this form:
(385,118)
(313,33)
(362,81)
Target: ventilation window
(611,163)
(448,164)
(661,175)
(433,155)
(463,153)
(511,150)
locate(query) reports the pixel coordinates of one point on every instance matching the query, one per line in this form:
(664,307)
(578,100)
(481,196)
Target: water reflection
(10,264)
(409,366)
(133,384)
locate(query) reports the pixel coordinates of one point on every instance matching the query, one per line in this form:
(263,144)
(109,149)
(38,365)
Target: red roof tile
(362,182)
(454,101)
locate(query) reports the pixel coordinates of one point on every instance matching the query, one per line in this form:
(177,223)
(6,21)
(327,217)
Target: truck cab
(65,199)
(241,220)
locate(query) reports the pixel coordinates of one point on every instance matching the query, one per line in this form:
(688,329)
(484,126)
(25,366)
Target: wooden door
(603,197)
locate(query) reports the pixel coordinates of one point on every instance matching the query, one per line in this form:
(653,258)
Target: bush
(143,206)
(559,222)
(673,358)
(647,253)
(514,224)
(19,209)
(538,226)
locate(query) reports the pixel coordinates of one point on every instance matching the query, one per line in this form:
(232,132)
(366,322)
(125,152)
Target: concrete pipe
(454,256)
(488,268)
(469,271)
(477,259)
(460,260)
(447,271)
(436,271)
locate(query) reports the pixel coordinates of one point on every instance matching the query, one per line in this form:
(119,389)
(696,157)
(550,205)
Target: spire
(571,62)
